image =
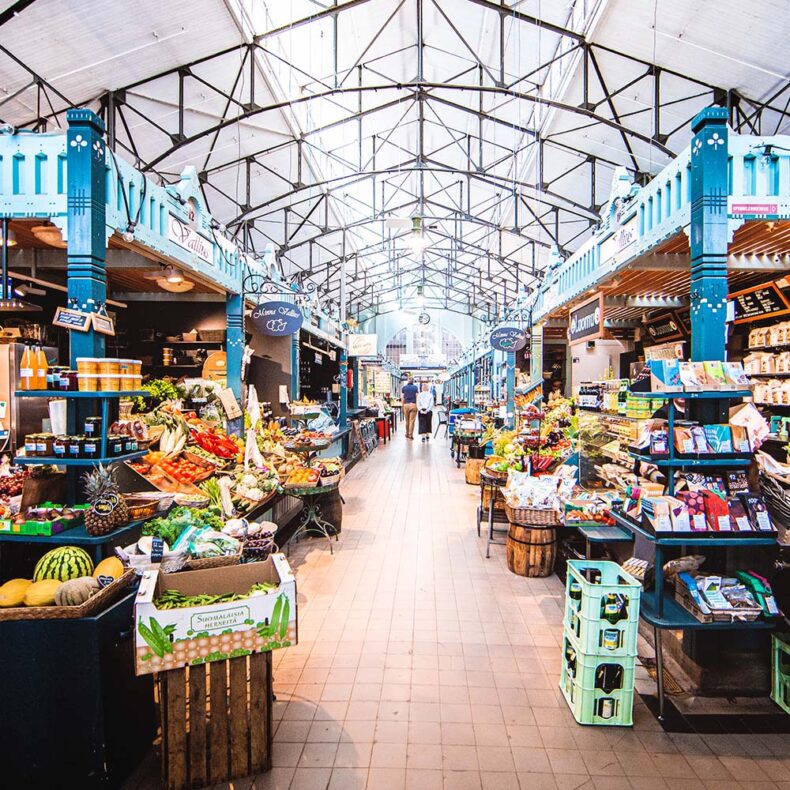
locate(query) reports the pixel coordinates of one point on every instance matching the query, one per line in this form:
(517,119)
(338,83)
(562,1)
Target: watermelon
(64,563)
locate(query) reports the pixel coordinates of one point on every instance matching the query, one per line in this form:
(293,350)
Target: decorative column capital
(710,116)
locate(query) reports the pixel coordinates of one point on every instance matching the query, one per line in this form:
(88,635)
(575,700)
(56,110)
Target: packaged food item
(719,438)
(88,365)
(88,382)
(109,366)
(738,517)
(688,377)
(757,512)
(737,482)
(109,382)
(684,441)
(735,376)
(714,372)
(695,504)
(665,375)
(701,445)
(717,513)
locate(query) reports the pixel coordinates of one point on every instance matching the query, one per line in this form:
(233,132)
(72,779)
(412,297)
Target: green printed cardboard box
(170,638)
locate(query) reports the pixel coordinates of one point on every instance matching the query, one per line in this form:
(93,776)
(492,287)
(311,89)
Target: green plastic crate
(780,671)
(596,637)
(613,580)
(596,706)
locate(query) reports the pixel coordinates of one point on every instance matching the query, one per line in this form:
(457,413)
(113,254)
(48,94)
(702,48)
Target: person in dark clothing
(409,395)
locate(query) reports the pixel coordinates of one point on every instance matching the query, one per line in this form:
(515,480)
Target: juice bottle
(42,366)
(26,373)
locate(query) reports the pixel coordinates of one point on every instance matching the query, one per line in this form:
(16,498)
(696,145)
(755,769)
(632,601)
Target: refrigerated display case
(15,421)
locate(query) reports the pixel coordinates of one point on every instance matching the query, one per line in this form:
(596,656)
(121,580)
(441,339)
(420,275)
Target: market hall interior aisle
(423,665)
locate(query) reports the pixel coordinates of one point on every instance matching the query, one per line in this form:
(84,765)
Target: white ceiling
(490,224)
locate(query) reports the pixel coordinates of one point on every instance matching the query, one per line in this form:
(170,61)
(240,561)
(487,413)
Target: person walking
(409,399)
(425,404)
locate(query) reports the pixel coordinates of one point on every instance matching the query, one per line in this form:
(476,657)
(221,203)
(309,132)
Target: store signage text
(187,237)
(754,208)
(623,236)
(586,321)
(665,327)
(508,338)
(276,319)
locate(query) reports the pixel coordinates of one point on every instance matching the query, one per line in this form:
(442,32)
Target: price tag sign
(724,524)
(230,404)
(103,324)
(72,319)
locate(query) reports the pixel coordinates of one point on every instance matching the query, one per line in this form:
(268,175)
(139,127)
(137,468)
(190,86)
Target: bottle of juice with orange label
(26,373)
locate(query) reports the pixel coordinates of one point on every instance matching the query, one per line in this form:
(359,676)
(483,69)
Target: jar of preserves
(92,427)
(129,444)
(90,447)
(44,443)
(31,445)
(74,446)
(114,444)
(60,446)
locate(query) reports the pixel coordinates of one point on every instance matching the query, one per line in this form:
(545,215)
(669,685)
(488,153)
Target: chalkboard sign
(666,327)
(103,324)
(759,302)
(72,319)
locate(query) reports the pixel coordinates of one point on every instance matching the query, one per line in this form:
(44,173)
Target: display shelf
(767,348)
(696,539)
(78,394)
(77,536)
(54,461)
(720,394)
(167,343)
(681,462)
(674,616)
(769,375)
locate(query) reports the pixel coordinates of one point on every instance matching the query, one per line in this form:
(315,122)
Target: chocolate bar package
(757,512)
(717,514)
(684,441)
(701,445)
(714,372)
(737,482)
(659,442)
(719,437)
(688,377)
(738,518)
(695,504)
(736,376)
(695,481)
(716,483)
(741,441)
(678,514)
(665,375)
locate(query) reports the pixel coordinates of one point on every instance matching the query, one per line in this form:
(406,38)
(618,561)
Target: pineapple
(108,509)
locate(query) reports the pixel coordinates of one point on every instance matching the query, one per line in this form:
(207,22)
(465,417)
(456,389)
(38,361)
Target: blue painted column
(87,224)
(709,234)
(295,394)
(356,382)
(343,413)
(234,341)
(510,389)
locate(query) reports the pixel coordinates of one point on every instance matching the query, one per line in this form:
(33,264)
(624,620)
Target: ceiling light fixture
(172,275)
(417,241)
(128,234)
(49,234)
(8,304)
(11,237)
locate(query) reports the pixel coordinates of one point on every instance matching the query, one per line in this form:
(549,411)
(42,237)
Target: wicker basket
(212,335)
(499,500)
(94,604)
(140,509)
(532,516)
(214,562)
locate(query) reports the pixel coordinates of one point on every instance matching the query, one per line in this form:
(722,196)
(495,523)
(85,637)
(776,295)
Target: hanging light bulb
(172,275)
(417,240)
(11,242)
(128,234)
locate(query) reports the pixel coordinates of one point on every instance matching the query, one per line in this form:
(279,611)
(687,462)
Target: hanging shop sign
(761,301)
(186,236)
(103,324)
(665,327)
(277,319)
(363,345)
(508,338)
(621,239)
(72,319)
(586,321)
(757,209)
(423,360)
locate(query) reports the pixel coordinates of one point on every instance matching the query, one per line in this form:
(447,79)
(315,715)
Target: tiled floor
(423,665)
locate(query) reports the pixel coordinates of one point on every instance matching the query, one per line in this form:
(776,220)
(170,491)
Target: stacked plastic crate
(599,642)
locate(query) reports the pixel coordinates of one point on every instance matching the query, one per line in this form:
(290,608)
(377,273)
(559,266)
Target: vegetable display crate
(216,721)
(609,706)
(780,670)
(609,579)
(75,714)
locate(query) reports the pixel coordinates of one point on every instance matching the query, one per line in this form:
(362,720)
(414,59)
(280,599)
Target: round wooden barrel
(332,509)
(531,551)
(472,471)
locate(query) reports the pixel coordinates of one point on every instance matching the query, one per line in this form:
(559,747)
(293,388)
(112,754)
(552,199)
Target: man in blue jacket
(409,397)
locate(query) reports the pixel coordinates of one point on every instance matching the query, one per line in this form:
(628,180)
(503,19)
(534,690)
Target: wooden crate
(216,721)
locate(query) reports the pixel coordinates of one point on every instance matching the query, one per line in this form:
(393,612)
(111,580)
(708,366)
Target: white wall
(592,364)
(464,327)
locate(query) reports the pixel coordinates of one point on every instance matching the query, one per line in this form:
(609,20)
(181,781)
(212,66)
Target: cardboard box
(665,375)
(201,634)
